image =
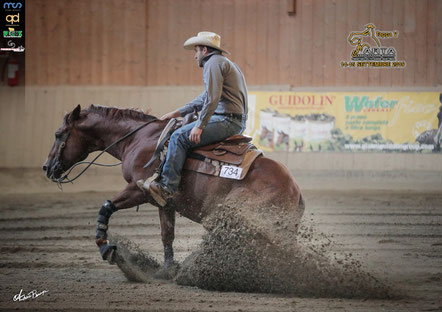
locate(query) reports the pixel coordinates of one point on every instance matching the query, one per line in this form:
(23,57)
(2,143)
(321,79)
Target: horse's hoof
(171,264)
(111,257)
(163,274)
(168,272)
(107,252)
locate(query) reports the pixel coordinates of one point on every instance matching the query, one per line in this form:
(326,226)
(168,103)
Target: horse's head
(69,147)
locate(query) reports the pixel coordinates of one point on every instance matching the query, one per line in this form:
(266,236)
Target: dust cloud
(261,250)
(239,255)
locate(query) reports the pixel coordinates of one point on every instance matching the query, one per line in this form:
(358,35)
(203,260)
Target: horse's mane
(119,113)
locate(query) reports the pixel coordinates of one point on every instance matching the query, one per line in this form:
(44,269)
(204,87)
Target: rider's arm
(213,81)
(174,114)
(196,104)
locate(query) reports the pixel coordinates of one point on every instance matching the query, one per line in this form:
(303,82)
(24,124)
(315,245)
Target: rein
(64,179)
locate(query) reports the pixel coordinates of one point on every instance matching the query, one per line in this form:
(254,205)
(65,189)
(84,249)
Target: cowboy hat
(205,38)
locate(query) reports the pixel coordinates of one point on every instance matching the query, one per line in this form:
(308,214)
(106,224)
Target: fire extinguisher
(12,72)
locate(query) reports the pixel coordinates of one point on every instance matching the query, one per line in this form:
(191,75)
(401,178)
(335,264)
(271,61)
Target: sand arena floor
(48,244)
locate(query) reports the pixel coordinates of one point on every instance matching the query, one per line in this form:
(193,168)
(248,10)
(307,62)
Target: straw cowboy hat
(205,38)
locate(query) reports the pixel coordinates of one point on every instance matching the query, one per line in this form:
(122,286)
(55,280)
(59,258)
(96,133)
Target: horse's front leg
(167,222)
(129,197)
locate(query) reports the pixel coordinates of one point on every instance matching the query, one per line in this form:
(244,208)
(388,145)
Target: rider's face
(200,53)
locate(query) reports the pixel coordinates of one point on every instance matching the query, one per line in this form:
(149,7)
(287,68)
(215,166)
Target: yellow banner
(343,121)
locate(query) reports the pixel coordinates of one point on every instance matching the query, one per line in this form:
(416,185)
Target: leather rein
(64,178)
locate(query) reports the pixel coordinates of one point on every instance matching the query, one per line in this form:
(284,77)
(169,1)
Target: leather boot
(159,193)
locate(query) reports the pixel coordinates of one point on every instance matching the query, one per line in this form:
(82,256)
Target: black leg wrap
(107,209)
(101,230)
(104,214)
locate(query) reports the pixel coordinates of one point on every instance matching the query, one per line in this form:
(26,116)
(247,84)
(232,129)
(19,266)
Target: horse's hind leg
(167,221)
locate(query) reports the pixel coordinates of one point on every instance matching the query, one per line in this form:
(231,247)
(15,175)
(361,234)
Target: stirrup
(145,185)
(159,197)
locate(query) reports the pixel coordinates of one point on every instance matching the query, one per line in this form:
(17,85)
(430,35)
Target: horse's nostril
(45,168)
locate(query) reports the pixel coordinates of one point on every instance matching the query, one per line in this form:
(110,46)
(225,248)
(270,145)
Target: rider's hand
(195,135)
(171,115)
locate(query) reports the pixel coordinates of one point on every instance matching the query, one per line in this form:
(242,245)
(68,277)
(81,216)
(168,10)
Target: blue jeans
(217,129)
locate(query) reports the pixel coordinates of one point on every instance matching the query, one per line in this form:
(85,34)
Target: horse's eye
(57,135)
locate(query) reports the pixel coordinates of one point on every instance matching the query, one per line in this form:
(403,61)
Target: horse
(97,128)
(282,141)
(432,136)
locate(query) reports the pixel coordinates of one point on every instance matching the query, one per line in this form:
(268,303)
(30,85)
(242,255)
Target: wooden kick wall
(139,42)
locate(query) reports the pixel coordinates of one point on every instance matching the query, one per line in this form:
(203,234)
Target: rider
(223,107)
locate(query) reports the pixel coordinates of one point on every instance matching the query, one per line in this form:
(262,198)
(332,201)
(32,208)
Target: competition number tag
(230,172)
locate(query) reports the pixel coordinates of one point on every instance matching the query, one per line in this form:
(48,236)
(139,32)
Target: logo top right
(369,52)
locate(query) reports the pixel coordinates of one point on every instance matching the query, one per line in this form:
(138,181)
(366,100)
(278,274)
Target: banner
(344,121)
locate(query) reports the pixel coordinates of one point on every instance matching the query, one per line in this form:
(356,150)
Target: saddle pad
(214,167)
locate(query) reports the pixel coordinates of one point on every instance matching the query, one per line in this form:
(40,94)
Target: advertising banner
(344,121)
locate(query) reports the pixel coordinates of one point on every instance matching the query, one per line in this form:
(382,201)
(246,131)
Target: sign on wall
(343,121)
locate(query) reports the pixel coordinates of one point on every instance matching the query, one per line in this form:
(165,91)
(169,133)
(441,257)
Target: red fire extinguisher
(12,72)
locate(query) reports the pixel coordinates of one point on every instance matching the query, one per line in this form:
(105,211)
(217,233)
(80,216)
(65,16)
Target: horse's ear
(75,114)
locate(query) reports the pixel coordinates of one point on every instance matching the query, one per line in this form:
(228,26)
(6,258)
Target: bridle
(64,178)
(62,145)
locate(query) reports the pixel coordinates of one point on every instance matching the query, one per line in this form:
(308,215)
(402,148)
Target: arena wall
(29,118)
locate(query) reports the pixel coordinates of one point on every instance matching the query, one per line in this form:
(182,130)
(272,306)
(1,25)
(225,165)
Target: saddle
(231,150)
(235,154)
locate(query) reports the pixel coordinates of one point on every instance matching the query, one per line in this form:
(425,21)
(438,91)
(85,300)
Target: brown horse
(267,184)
